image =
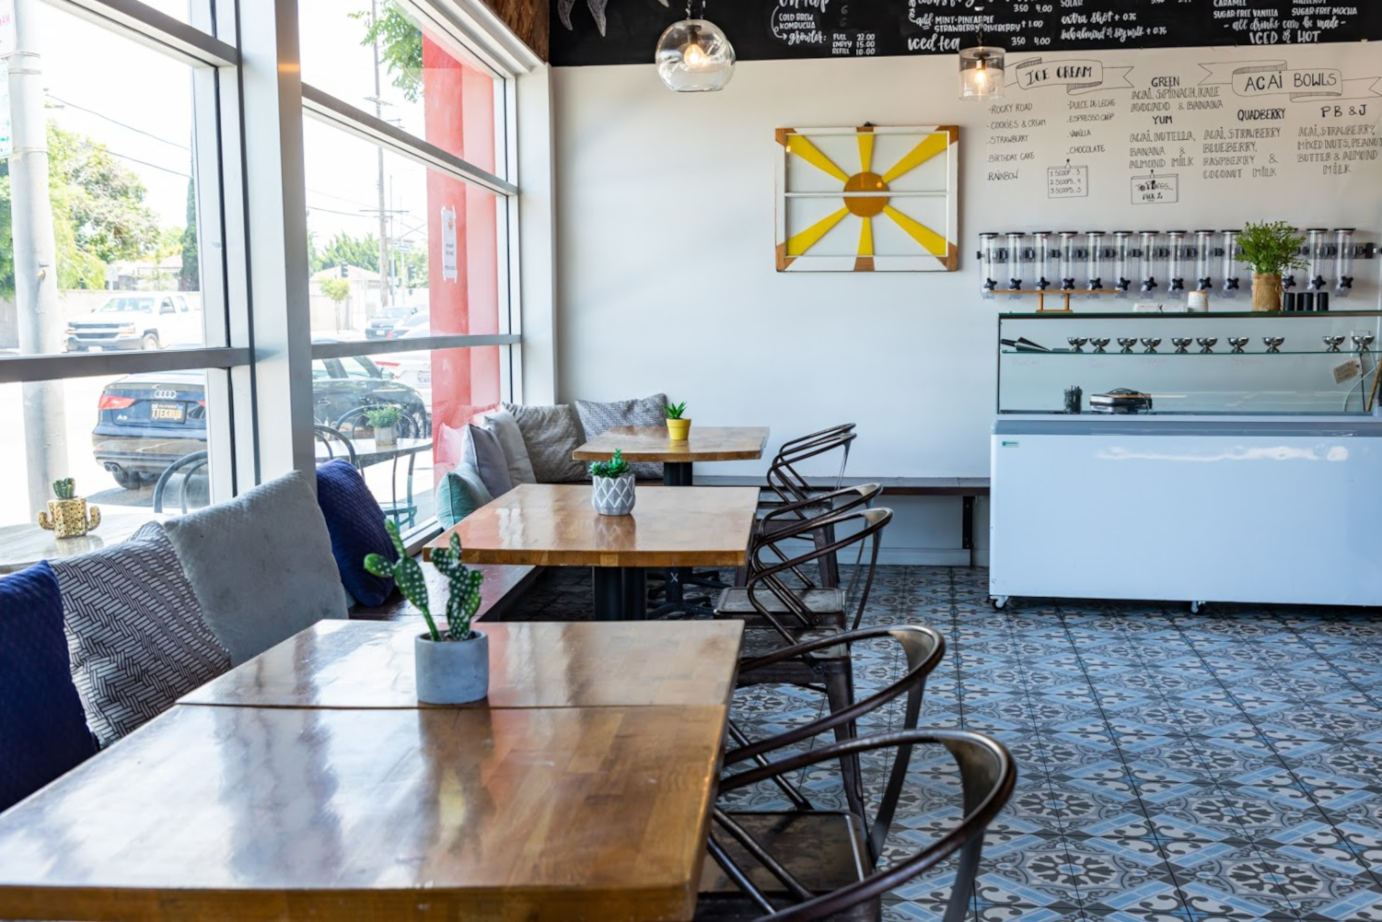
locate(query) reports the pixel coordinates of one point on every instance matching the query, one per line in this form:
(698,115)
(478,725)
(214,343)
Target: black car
(383,325)
(146,422)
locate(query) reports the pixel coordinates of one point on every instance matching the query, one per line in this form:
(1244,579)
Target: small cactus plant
(464,596)
(66,488)
(613,468)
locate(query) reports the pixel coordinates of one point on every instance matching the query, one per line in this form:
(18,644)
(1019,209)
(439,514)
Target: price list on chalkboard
(625,31)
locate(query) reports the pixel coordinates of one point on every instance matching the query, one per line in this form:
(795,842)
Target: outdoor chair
(797,866)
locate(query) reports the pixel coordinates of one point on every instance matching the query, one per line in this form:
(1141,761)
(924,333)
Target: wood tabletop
(350,664)
(286,813)
(650,443)
(553,525)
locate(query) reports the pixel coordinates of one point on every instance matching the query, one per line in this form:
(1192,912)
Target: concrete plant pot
(613,495)
(452,671)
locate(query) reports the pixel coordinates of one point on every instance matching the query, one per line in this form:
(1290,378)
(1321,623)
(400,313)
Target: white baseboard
(931,556)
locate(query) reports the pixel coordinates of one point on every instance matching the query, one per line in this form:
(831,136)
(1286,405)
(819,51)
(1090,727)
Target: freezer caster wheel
(1195,607)
(999,602)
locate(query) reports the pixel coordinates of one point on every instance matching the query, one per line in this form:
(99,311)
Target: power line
(116,121)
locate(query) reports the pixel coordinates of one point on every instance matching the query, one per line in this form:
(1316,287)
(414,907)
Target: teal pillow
(459,494)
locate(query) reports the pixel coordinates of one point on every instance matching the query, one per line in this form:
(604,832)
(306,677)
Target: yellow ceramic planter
(679,429)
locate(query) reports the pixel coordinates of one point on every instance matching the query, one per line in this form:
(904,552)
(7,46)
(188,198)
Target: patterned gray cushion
(645,411)
(135,632)
(551,433)
(261,565)
(502,424)
(484,453)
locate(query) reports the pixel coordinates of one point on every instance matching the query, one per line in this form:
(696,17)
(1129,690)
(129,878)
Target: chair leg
(839,690)
(829,565)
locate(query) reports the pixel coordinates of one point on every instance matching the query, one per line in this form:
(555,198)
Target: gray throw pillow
(484,453)
(596,418)
(505,429)
(135,632)
(551,433)
(261,565)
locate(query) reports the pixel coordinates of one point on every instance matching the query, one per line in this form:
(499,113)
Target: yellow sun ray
(866,151)
(933,242)
(866,238)
(800,243)
(813,155)
(933,144)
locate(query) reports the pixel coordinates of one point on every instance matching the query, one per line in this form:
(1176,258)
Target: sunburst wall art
(868,199)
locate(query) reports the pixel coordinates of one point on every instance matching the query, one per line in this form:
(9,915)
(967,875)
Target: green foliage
(674,410)
(1272,248)
(407,573)
(400,46)
(464,599)
(335,289)
(98,208)
(66,488)
(190,278)
(613,468)
(383,417)
(363,251)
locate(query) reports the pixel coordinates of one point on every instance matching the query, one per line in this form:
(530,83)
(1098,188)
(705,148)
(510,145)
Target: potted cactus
(1271,248)
(384,422)
(612,487)
(678,425)
(452,665)
(68,516)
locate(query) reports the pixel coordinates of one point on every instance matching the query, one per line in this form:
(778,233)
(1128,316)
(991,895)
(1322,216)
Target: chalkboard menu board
(625,31)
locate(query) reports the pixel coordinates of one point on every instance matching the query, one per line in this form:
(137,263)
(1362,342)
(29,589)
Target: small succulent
(675,410)
(383,417)
(464,599)
(65,488)
(613,468)
(407,573)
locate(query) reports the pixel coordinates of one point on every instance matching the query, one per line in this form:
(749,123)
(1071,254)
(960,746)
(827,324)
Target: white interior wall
(665,273)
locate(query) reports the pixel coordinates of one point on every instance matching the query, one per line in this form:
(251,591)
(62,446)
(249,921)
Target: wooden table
(352,664)
(553,524)
(581,789)
(650,443)
(442,813)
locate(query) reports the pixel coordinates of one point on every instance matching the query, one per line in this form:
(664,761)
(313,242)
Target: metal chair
(354,422)
(814,865)
(187,466)
(923,648)
(325,436)
(788,516)
(787,485)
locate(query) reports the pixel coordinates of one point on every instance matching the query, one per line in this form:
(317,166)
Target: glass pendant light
(694,55)
(981,68)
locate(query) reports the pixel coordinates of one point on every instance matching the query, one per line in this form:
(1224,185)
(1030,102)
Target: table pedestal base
(621,593)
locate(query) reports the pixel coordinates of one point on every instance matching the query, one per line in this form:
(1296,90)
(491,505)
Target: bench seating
(502,586)
(967,488)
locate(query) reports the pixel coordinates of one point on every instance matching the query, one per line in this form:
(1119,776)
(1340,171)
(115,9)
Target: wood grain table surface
(215,813)
(650,443)
(351,664)
(553,524)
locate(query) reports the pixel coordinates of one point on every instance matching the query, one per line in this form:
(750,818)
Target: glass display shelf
(1303,377)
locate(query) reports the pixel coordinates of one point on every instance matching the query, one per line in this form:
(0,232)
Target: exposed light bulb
(693,56)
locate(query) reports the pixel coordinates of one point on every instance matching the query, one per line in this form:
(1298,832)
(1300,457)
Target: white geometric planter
(613,495)
(451,671)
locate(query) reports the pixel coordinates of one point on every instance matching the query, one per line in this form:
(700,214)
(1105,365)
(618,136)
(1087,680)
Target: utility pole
(35,264)
(379,113)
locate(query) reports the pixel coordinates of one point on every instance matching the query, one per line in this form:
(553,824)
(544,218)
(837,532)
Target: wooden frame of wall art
(868,199)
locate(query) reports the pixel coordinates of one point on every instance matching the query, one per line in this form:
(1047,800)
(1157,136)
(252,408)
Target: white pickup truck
(137,320)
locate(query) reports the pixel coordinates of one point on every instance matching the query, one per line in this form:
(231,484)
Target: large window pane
(376,57)
(121,194)
(442,262)
(114,437)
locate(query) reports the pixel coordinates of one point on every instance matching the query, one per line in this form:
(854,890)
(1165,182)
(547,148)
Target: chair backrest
(771,562)
(355,423)
(785,476)
(987,776)
(185,467)
(333,440)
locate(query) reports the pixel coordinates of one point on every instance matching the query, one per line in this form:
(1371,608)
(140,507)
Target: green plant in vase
(612,487)
(1271,248)
(68,515)
(678,424)
(384,422)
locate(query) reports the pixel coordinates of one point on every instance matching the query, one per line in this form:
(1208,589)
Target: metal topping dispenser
(1203,244)
(1343,260)
(1288,281)
(1318,251)
(1041,259)
(1122,259)
(1147,260)
(1067,259)
(1094,260)
(988,261)
(1014,260)
(1232,271)
(1175,250)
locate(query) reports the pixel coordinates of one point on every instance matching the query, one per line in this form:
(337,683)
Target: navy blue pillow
(356,525)
(42,728)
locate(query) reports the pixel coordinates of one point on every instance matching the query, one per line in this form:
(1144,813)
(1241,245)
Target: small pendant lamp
(694,55)
(981,68)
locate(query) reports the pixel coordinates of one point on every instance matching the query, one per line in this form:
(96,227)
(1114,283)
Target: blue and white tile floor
(1225,765)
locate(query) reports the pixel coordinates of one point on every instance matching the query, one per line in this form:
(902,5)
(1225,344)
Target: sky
(138,102)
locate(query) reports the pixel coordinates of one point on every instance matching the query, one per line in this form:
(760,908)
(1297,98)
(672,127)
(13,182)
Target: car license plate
(169,412)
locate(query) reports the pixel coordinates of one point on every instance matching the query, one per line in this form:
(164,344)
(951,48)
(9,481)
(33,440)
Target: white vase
(451,671)
(613,495)
(385,436)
